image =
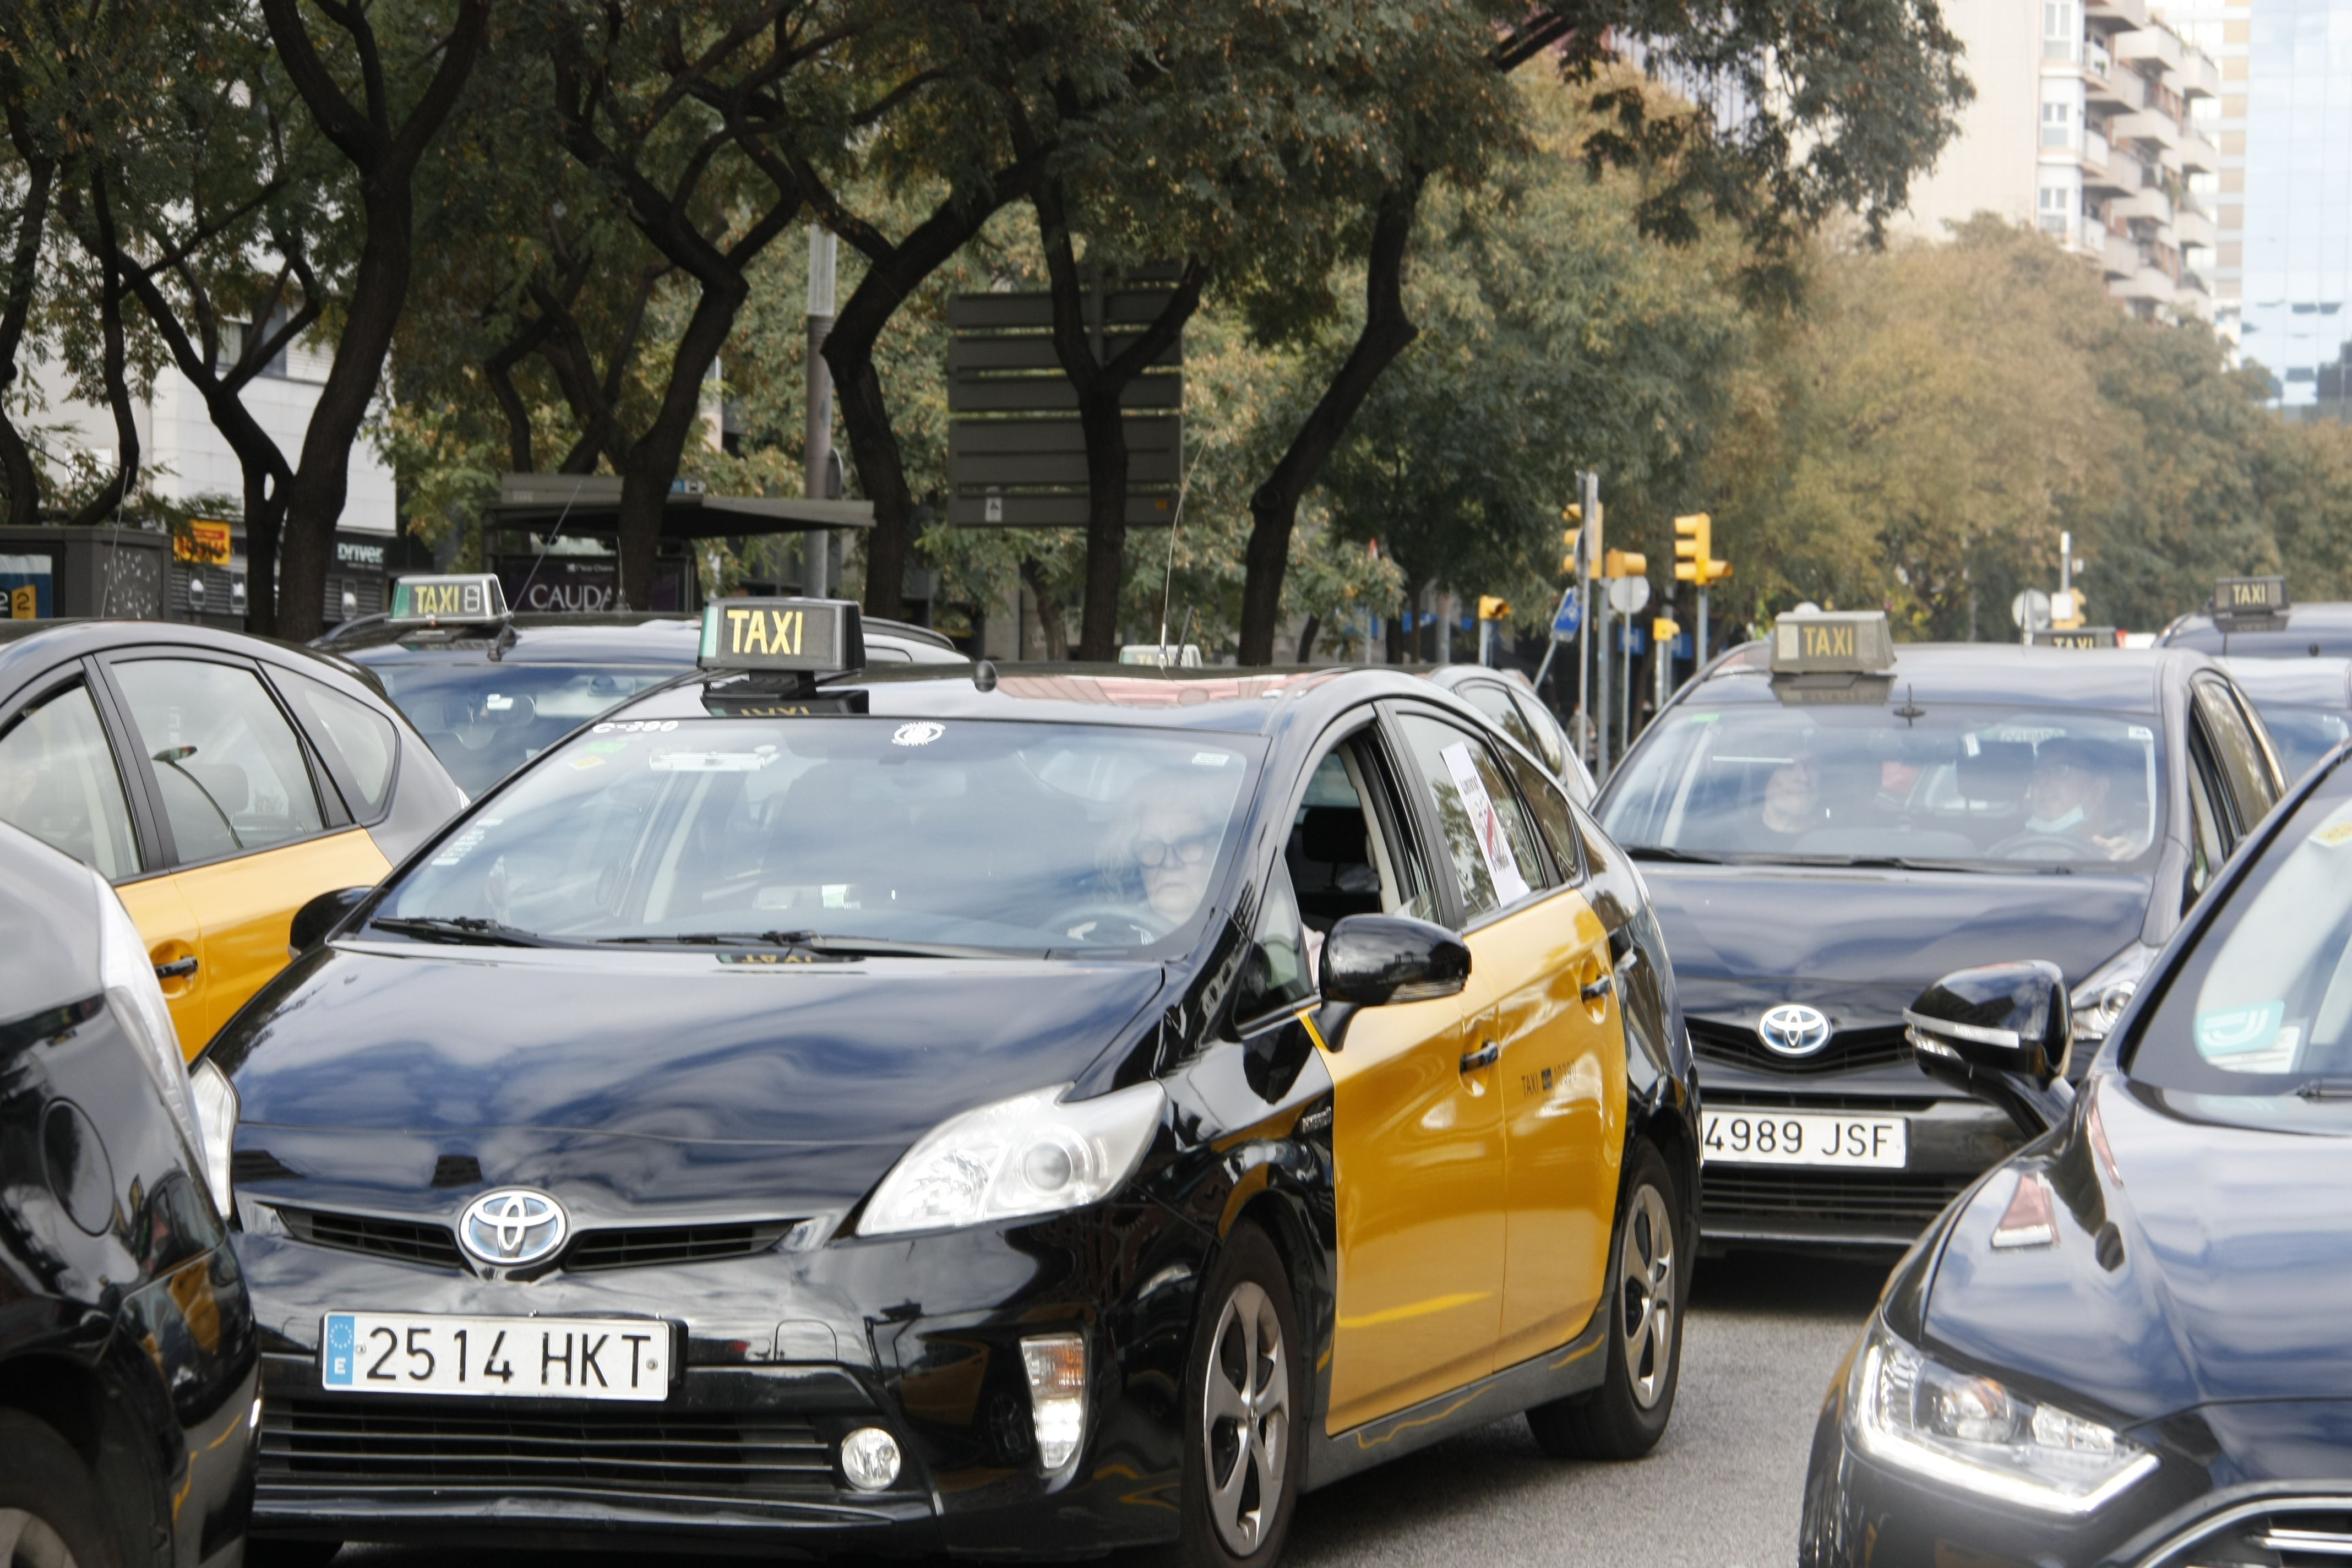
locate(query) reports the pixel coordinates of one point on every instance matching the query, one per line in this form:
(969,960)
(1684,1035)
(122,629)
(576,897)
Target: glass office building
(2297,315)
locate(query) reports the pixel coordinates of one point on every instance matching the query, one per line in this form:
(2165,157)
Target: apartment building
(2086,125)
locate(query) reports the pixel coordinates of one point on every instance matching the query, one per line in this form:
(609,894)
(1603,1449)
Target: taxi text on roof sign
(1821,642)
(2076,636)
(805,635)
(431,601)
(2250,595)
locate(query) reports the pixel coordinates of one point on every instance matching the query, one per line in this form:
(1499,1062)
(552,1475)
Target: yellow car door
(239,807)
(1416,1136)
(1548,1020)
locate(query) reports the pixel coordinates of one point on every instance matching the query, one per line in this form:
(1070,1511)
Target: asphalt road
(1721,1491)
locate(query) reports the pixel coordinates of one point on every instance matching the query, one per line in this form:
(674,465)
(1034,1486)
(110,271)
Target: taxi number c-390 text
(1743,1137)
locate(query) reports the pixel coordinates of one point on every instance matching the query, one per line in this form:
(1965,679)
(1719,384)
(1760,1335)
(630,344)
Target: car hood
(2221,1279)
(662,1076)
(1861,944)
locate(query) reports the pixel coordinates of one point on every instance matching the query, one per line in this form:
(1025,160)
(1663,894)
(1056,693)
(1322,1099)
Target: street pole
(1663,661)
(1588,491)
(1602,656)
(1626,722)
(1698,633)
(816,460)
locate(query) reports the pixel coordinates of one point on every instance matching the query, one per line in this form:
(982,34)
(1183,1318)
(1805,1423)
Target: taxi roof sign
(2075,637)
(467,598)
(1832,642)
(801,636)
(2253,596)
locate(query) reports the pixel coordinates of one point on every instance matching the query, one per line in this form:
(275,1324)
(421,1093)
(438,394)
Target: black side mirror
(2002,1033)
(314,920)
(1371,961)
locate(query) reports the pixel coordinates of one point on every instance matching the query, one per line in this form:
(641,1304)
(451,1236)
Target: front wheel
(1243,1393)
(1626,1415)
(52,1514)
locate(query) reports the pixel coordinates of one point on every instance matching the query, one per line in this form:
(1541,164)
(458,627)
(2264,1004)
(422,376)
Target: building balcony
(2127,13)
(2149,125)
(2146,285)
(2145,46)
(2147,204)
(2198,155)
(2104,169)
(2197,75)
(2109,86)
(2119,256)
(2190,227)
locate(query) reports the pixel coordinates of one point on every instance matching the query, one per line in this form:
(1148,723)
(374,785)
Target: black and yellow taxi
(1036,1109)
(489,690)
(1830,820)
(218,780)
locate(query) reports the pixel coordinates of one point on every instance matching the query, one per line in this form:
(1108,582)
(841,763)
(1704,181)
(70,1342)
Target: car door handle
(178,969)
(1485,1055)
(1596,990)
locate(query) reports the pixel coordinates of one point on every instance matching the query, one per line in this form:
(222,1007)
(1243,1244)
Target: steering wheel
(1147,925)
(2041,846)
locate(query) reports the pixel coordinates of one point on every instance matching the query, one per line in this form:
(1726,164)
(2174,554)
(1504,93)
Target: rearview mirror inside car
(2002,1033)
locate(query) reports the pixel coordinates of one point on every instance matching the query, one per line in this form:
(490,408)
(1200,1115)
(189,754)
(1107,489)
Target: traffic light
(1694,559)
(1666,628)
(1625,563)
(1492,608)
(1574,514)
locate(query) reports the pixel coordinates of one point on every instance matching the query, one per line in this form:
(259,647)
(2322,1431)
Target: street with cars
(771,1083)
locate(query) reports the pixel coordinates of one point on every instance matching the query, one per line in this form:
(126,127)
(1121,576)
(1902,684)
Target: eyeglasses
(1154,853)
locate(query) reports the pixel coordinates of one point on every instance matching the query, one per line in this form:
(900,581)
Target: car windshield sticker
(2249,1039)
(1501,863)
(458,849)
(712,762)
(920,734)
(583,762)
(496,703)
(1210,759)
(2337,831)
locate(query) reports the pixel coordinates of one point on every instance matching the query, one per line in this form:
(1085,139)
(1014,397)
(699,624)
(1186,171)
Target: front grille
(2275,1536)
(638,1246)
(1766,1194)
(432,1244)
(1849,1050)
(620,1246)
(363,1449)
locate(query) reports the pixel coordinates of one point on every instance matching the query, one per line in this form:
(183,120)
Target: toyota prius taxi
(1039,1110)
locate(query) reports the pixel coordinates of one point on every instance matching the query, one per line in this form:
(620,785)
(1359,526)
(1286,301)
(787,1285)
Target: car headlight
(1030,1154)
(2106,991)
(216,1100)
(127,975)
(1908,1410)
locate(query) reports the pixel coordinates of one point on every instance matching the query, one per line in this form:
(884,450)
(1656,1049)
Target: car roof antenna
(1910,712)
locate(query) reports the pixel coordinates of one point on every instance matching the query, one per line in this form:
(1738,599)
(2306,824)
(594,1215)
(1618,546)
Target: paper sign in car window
(2247,1039)
(1502,864)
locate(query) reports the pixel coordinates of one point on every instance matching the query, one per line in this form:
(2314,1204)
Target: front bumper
(785,1353)
(1953,1140)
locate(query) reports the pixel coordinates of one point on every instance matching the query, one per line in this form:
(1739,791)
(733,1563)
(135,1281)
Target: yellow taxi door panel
(245,906)
(1561,1084)
(1418,1143)
(161,911)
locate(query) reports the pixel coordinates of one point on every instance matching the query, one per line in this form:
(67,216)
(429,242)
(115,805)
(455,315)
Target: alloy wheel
(1246,1419)
(27,1541)
(1646,1285)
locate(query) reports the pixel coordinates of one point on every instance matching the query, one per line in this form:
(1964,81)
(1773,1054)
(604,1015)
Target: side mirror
(314,920)
(2002,1033)
(1371,961)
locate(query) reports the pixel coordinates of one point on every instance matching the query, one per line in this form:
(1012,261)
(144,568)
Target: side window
(1494,700)
(1351,851)
(1549,744)
(2245,771)
(1553,819)
(227,766)
(1487,837)
(59,783)
(354,735)
(1282,965)
(2209,844)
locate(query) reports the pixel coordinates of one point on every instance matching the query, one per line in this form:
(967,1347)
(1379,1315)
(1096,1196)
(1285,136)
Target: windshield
(960,835)
(2264,1003)
(2302,736)
(1967,785)
(483,720)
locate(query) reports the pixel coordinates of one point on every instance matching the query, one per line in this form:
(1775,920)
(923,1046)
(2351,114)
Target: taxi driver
(1173,843)
(2067,797)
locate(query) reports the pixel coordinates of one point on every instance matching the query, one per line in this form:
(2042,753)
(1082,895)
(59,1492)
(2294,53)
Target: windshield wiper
(817,941)
(1688,857)
(471,928)
(2325,1088)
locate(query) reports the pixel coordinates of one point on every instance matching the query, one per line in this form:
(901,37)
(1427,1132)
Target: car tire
(1648,1282)
(1244,1398)
(51,1510)
(278,1551)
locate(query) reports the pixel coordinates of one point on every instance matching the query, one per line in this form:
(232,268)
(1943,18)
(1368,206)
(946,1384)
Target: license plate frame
(1825,1140)
(631,1360)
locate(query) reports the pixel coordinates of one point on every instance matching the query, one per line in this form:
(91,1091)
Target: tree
(1832,107)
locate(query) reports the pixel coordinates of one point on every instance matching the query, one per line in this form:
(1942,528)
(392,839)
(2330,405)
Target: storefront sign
(29,587)
(205,544)
(584,585)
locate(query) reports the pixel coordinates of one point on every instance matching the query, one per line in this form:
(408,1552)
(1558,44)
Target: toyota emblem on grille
(512,1226)
(1794,1029)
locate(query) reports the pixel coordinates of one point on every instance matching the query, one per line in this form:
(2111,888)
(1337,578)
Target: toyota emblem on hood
(1794,1029)
(512,1227)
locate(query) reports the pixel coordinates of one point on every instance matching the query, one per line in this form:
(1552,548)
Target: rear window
(485,721)
(361,739)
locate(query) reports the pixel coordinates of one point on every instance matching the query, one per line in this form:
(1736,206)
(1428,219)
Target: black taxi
(489,690)
(1829,821)
(1037,1109)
